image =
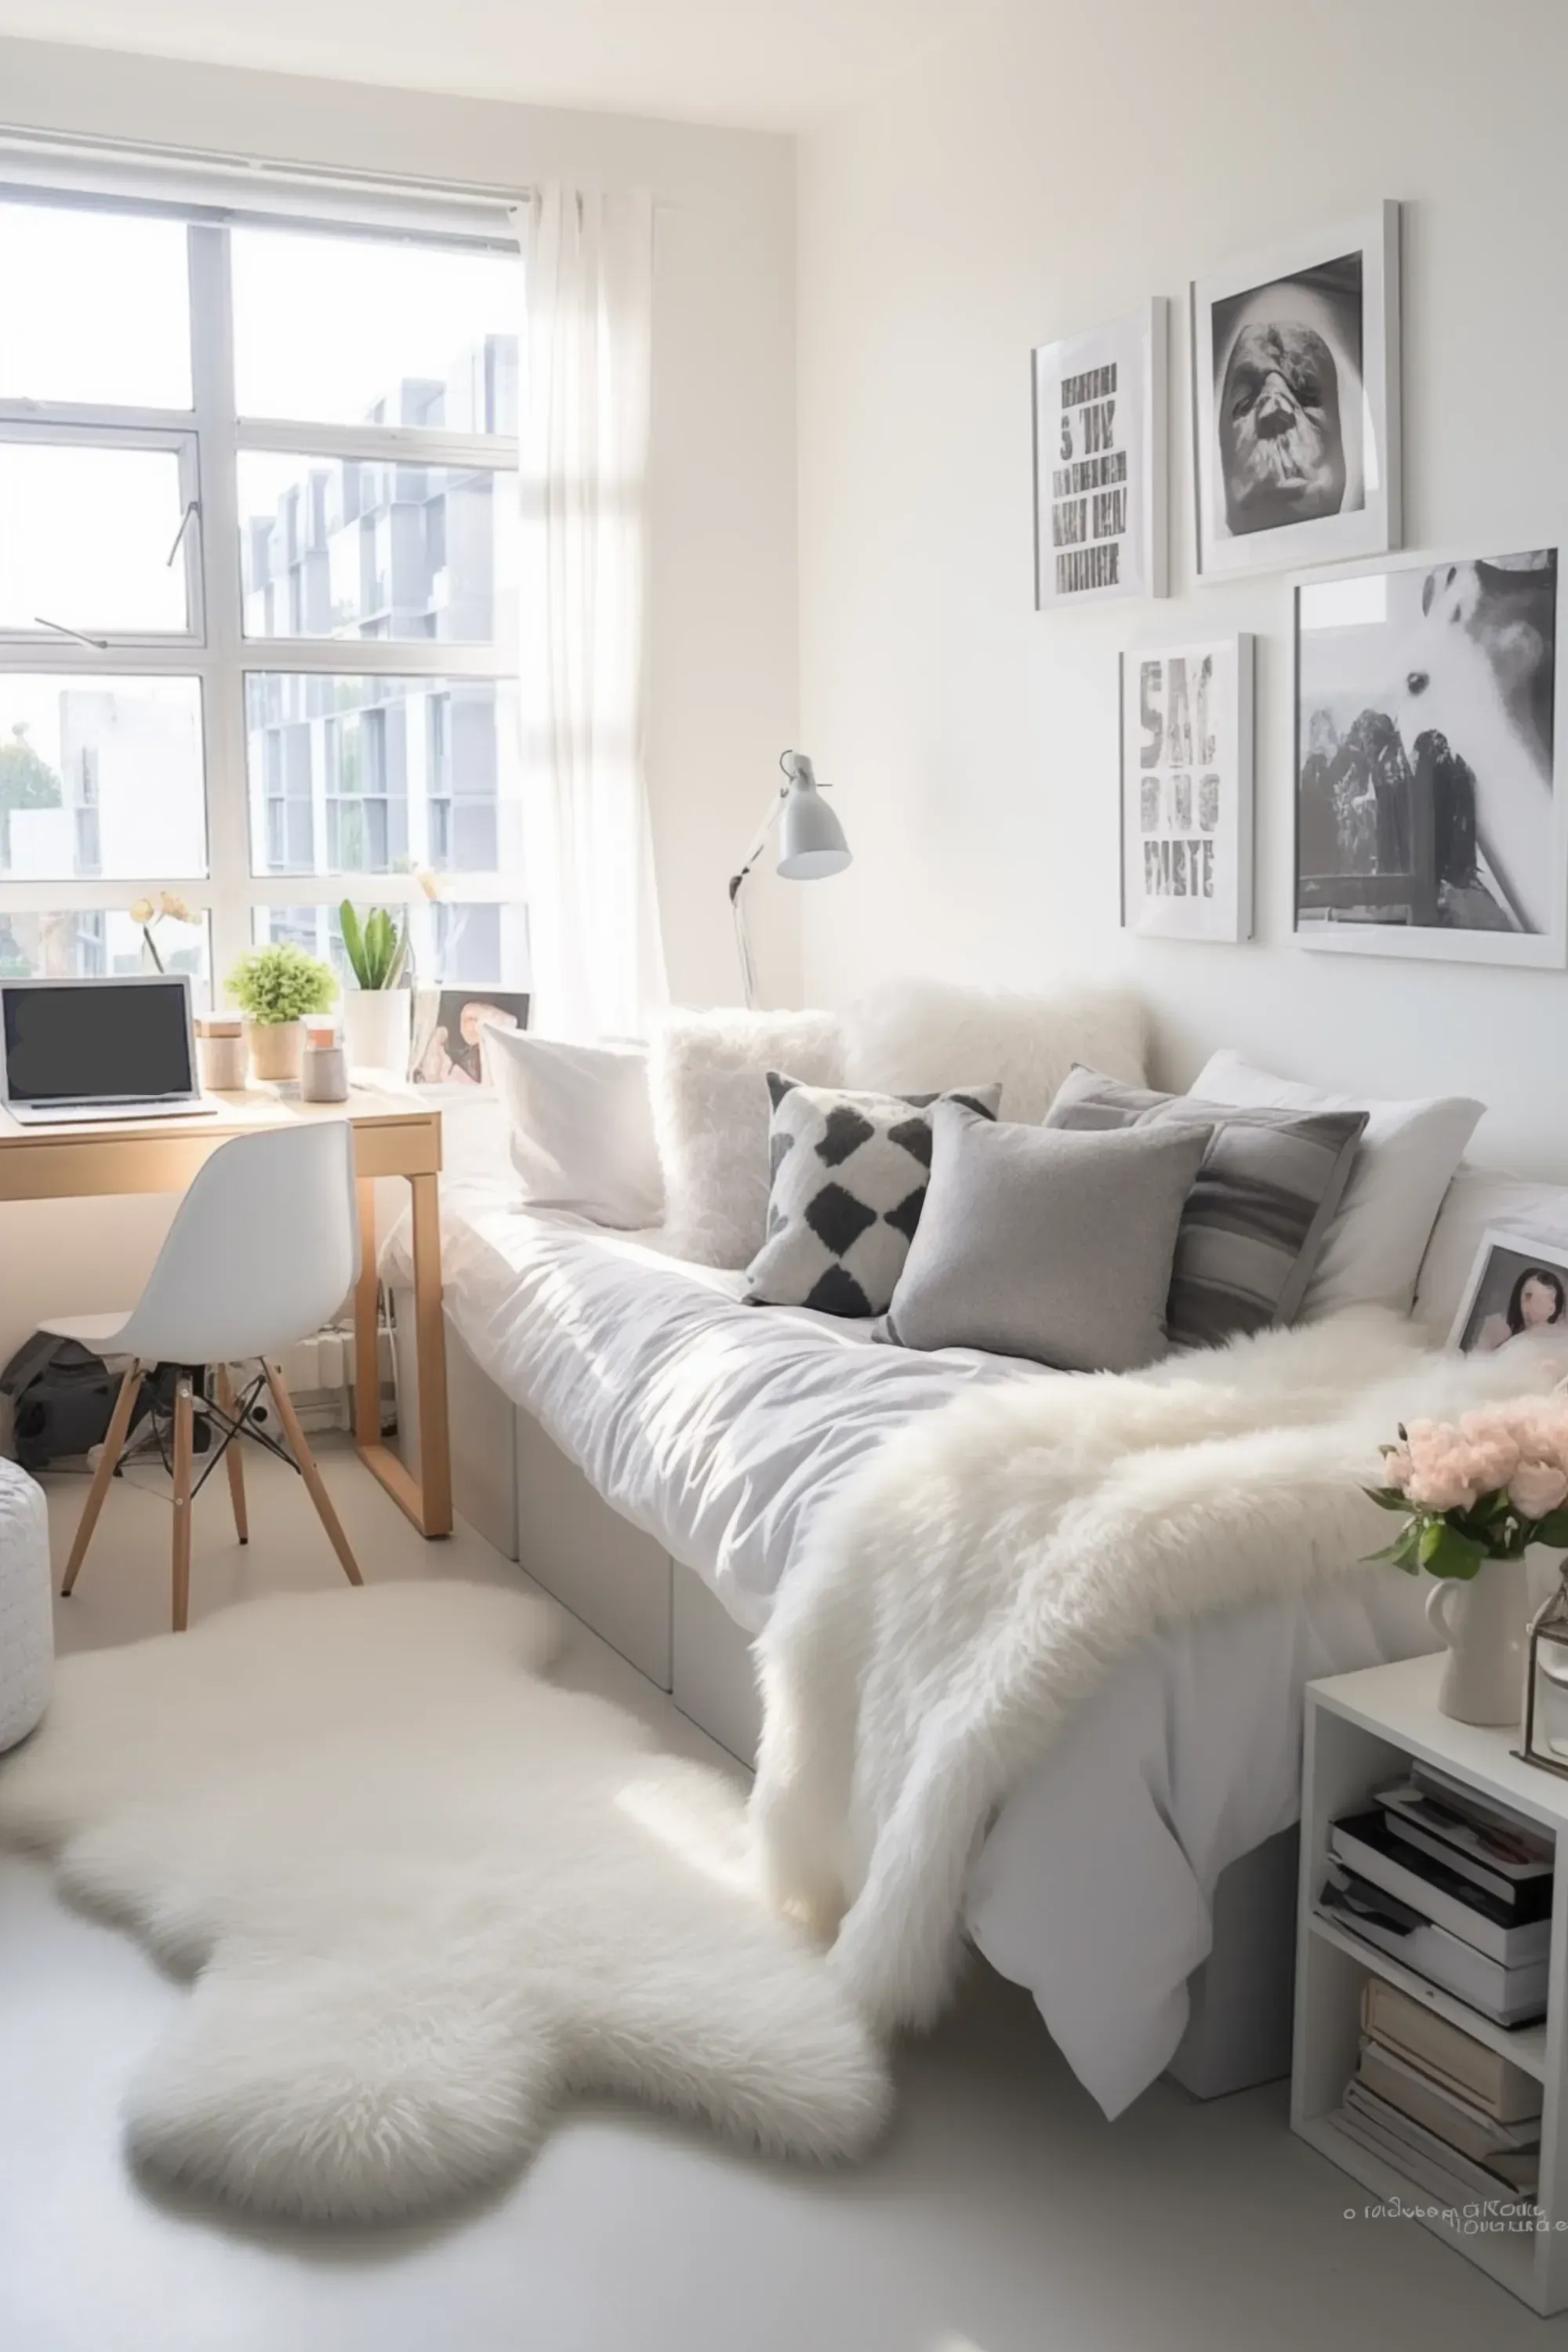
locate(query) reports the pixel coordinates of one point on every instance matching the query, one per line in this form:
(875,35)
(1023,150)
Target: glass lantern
(1546,1685)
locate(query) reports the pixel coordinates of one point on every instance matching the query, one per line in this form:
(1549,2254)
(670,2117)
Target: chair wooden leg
(309,1472)
(232,1461)
(184,1415)
(119,1423)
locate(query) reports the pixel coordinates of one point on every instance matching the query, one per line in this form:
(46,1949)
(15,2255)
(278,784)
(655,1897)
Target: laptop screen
(97,1040)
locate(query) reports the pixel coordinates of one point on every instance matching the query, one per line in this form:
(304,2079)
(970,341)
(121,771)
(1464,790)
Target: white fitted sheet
(721,1429)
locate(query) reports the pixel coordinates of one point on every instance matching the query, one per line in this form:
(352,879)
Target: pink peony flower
(1396,1466)
(1538,1488)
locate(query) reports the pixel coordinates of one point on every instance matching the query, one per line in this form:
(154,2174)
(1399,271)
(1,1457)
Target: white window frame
(211,436)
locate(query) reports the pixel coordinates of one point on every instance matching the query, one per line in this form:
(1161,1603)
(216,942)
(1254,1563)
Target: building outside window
(258,584)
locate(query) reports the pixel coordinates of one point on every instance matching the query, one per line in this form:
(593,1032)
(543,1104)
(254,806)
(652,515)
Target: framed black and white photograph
(449,1027)
(1100,462)
(1517,1285)
(1296,401)
(1429,806)
(1186,791)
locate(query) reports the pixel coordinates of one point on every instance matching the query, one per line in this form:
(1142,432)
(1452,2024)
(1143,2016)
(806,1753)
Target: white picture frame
(1100,405)
(1460,653)
(1186,778)
(1303,338)
(1503,1262)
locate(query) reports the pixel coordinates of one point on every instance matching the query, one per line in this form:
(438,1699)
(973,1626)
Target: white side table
(1362,1730)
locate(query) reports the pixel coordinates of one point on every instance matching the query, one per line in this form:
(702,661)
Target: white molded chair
(263,1250)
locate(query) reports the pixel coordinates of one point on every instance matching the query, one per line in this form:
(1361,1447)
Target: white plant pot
(1486,1623)
(378,1031)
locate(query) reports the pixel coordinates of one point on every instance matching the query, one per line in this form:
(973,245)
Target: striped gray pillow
(1259,1211)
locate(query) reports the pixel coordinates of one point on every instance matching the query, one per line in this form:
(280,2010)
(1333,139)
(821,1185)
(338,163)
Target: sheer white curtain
(597,955)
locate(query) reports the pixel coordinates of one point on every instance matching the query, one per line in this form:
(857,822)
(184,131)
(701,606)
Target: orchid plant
(149,913)
(1484,1487)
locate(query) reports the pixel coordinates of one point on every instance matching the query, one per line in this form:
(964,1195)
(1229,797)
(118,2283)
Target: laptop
(76,1050)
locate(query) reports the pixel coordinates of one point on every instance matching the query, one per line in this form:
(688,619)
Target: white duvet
(723,1429)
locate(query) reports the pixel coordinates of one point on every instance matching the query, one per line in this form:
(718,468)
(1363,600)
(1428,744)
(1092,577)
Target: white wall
(723,589)
(1045,175)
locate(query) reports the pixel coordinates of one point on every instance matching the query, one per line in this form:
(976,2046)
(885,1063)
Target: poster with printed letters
(1100,462)
(1186,791)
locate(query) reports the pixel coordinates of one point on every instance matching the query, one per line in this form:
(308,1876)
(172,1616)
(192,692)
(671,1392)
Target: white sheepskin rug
(424,1894)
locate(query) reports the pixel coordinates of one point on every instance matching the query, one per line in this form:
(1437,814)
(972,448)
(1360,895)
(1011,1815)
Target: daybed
(654,1453)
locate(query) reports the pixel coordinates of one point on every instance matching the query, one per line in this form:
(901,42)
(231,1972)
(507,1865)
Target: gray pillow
(849,1174)
(1259,1211)
(1054,1246)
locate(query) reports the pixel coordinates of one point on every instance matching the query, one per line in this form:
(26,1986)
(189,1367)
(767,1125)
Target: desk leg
(426,1500)
(367,1301)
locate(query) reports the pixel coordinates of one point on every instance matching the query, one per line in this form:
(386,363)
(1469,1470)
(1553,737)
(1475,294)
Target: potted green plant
(378,1011)
(275,988)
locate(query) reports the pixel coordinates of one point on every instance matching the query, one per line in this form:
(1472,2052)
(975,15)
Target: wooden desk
(395,1135)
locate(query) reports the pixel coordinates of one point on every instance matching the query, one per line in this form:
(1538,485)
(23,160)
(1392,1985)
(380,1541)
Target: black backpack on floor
(62,1396)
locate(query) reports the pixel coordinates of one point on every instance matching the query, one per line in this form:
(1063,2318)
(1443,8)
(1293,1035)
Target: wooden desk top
(234,1114)
(396,1134)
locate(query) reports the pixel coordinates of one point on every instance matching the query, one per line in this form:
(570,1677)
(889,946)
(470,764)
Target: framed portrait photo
(1296,401)
(1430,802)
(1517,1285)
(449,1027)
(1100,462)
(1186,791)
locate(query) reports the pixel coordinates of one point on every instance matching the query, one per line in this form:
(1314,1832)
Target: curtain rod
(344,179)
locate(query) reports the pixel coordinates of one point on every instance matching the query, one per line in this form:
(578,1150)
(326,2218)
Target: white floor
(1003,2214)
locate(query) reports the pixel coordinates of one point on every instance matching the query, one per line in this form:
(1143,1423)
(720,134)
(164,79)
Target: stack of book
(1458,2120)
(1455,1887)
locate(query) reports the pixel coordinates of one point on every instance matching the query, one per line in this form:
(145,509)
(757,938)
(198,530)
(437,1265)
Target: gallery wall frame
(1428,761)
(1296,401)
(1101,409)
(1186,758)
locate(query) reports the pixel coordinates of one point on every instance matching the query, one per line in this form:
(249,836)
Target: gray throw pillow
(1052,1246)
(1259,1211)
(849,1173)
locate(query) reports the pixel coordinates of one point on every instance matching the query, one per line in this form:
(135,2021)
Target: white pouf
(27,1613)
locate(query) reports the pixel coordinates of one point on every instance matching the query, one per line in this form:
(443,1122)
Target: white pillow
(710,1108)
(929,1036)
(1407,1156)
(1477,1200)
(581,1125)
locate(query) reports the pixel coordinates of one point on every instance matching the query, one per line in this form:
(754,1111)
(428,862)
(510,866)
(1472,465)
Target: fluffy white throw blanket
(994,1563)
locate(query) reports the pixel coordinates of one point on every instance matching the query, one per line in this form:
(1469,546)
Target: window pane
(450,945)
(345,548)
(101,778)
(348,330)
(85,534)
(377,775)
(106,305)
(97,943)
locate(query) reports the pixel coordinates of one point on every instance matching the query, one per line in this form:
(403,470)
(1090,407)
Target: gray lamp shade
(811,839)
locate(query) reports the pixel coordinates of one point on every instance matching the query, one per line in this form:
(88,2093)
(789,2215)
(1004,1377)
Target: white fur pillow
(927,1036)
(710,1110)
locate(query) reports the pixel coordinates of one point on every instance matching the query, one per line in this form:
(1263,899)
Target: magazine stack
(1451,1885)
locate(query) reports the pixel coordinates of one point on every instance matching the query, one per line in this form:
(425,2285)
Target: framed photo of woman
(1296,401)
(1517,1286)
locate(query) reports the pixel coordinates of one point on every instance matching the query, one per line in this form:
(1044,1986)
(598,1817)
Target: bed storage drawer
(573,1543)
(713,1679)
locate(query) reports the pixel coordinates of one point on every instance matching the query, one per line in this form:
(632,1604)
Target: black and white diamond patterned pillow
(848,1178)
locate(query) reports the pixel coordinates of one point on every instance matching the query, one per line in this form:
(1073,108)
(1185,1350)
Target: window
(258,600)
